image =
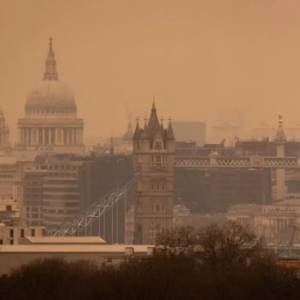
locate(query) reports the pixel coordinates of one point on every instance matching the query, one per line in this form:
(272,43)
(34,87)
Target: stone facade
(153,159)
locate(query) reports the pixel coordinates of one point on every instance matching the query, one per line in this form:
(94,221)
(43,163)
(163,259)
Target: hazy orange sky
(203,60)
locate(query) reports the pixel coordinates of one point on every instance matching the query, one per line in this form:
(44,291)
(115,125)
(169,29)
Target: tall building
(8,174)
(33,183)
(225,132)
(61,191)
(50,122)
(263,131)
(153,160)
(4,132)
(187,131)
(51,190)
(213,191)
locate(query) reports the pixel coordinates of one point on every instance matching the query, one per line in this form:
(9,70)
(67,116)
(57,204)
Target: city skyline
(196,58)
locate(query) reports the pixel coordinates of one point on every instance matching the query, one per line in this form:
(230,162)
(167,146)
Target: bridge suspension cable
(98,211)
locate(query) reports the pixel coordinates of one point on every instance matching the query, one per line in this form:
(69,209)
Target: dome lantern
(50,70)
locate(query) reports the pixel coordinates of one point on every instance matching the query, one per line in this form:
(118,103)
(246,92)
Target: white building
(50,122)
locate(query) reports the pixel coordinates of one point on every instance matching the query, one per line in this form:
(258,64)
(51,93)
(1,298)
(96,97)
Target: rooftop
(112,249)
(66,240)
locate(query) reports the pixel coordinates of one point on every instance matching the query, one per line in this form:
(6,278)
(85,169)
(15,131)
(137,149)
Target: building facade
(187,131)
(4,132)
(153,160)
(278,224)
(51,190)
(50,122)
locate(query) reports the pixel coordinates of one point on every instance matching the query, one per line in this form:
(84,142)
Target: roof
(66,240)
(112,249)
(51,96)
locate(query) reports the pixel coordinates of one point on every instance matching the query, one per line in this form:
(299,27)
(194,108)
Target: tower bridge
(151,191)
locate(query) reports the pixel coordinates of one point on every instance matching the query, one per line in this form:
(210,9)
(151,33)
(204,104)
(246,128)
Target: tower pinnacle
(280,135)
(50,65)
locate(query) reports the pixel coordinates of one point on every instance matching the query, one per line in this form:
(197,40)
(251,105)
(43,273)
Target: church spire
(50,70)
(170,132)
(153,105)
(137,131)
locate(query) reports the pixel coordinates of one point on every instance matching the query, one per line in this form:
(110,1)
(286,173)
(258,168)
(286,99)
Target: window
(32,232)
(11,233)
(158,159)
(22,233)
(11,242)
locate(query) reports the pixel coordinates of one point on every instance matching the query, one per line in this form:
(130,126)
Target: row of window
(158,186)
(22,232)
(58,167)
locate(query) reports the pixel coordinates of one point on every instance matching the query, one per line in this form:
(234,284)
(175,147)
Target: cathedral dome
(51,96)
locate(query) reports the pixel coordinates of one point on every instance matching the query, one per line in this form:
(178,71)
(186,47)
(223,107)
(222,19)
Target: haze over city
(236,61)
(149,149)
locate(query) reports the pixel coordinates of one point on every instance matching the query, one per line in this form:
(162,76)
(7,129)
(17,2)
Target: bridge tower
(153,159)
(280,140)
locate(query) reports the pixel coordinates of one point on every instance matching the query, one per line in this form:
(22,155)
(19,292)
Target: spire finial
(153,104)
(50,42)
(170,132)
(50,70)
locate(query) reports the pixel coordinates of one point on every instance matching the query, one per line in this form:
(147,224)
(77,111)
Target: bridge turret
(280,140)
(153,158)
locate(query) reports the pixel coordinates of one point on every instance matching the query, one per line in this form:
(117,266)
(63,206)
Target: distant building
(100,176)
(225,132)
(189,131)
(293,133)
(33,195)
(50,122)
(51,190)
(293,183)
(4,132)
(190,149)
(183,217)
(265,147)
(213,191)
(8,174)
(9,212)
(153,160)
(277,223)
(264,131)
(15,234)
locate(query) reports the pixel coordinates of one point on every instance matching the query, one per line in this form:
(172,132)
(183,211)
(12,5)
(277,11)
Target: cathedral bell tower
(153,159)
